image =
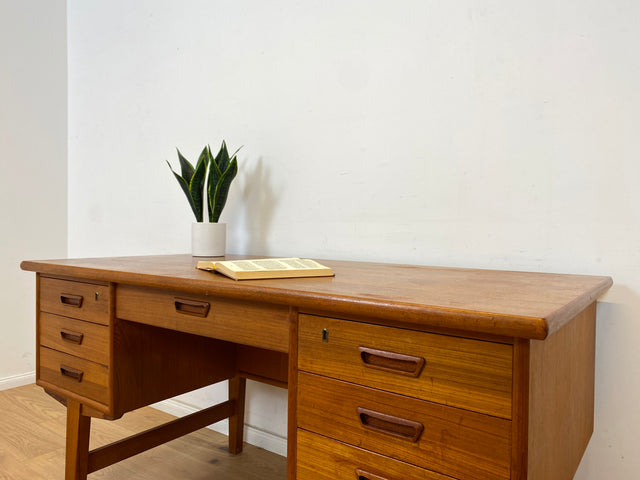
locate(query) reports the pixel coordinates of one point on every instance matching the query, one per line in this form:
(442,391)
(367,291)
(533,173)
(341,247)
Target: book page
(302,263)
(271,264)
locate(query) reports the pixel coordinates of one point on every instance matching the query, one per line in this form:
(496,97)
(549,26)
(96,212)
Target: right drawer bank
(384,403)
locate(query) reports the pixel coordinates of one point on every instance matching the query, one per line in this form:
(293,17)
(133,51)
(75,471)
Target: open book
(267,268)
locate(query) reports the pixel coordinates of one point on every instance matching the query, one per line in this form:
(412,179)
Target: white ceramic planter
(208,239)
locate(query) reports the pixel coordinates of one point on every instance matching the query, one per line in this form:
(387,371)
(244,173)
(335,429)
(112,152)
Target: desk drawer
(75,337)
(471,374)
(88,379)
(85,301)
(451,441)
(256,324)
(320,458)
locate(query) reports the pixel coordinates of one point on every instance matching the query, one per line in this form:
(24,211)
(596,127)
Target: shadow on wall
(258,207)
(617,352)
(613,447)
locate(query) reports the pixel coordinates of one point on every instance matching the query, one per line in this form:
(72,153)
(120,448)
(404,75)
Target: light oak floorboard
(32,429)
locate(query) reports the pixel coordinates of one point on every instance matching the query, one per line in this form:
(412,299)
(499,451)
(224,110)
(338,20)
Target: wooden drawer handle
(191,307)
(73,337)
(396,426)
(392,362)
(71,300)
(362,475)
(71,372)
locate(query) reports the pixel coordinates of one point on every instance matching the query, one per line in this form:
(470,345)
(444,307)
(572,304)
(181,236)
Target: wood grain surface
(324,459)
(471,374)
(517,304)
(454,442)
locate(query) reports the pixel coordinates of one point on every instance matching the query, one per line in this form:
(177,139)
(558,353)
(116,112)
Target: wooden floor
(32,427)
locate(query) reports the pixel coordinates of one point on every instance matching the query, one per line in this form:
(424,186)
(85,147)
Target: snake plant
(208,182)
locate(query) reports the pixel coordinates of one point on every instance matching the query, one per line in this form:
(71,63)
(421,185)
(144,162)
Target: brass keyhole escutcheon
(96,295)
(325,335)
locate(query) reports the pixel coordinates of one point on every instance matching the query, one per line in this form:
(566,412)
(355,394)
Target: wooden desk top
(505,303)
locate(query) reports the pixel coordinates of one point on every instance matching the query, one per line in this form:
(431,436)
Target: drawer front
(451,441)
(320,458)
(256,324)
(470,374)
(85,301)
(75,337)
(88,379)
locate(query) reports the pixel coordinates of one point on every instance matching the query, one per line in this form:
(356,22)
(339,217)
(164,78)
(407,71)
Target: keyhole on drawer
(325,335)
(96,295)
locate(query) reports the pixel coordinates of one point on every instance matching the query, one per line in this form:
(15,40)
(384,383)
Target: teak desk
(394,372)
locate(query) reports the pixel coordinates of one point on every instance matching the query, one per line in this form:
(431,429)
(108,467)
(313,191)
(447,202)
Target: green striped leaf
(185,166)
(222,159)
(196,185)
(218,192)
(185,188)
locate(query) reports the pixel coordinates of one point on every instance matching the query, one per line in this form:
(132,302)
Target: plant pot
(208,239)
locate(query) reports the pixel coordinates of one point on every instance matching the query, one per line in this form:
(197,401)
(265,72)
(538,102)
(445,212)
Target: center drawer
(450,441)
(461,372)
(248,323)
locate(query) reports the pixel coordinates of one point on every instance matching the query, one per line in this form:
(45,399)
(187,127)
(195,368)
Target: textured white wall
(33,158)
(484,133)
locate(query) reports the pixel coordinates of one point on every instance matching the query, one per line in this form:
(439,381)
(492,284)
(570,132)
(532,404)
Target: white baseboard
(252,435)
(17,380)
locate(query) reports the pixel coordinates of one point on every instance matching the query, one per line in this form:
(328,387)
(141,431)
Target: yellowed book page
(270,264)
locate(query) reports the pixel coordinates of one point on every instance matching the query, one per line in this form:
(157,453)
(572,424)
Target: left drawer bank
(73,338)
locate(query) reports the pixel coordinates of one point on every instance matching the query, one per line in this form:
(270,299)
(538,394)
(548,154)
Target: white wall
(33,158)
(479,133)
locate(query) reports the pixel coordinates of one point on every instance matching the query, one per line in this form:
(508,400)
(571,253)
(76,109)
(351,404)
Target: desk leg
(237,389)
(77,454)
